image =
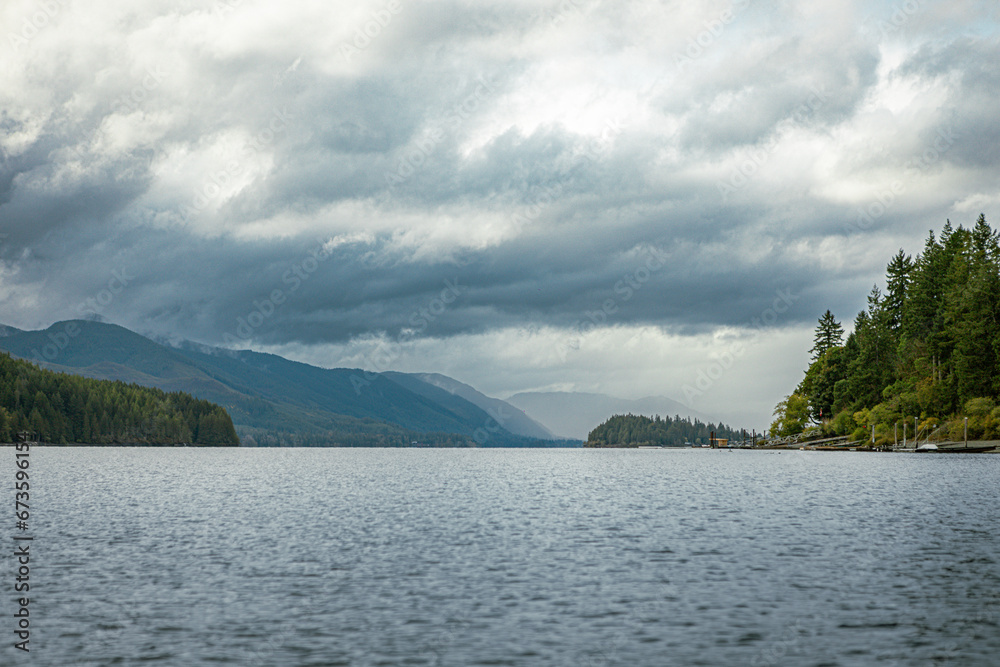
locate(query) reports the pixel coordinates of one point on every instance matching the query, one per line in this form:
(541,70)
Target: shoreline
(947,447)
(112,444)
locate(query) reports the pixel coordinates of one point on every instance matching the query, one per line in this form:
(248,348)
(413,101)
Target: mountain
(271,400)
(511,418)
(576,414)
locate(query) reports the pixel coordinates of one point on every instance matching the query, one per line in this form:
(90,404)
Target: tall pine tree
(897,278)
(829,334)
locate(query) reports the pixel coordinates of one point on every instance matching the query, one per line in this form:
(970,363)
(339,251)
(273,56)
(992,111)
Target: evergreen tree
(819,386)
(897,285)
(635,430)
(920,308)
(928,349)
(62,408)
(829,334)
(986,242)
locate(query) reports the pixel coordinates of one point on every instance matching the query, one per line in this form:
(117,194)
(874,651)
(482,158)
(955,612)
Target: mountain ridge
(575,414)
(510,417)
(271,399)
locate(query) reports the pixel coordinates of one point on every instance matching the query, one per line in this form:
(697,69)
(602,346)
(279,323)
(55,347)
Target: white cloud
(600,128)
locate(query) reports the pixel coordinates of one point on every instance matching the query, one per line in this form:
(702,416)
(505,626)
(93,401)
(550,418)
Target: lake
(507,557)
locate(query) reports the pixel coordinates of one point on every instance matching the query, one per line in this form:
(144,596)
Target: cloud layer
(311,177)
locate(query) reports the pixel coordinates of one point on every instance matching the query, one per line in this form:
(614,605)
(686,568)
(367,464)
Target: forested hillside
(61,408)
(928,349)
(272,401)
(636,430)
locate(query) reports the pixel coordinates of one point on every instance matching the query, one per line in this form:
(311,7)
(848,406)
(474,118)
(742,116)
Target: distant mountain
(576,414)
(511,418)
(272,400)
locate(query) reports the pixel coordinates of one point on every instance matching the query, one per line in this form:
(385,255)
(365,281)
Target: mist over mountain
(576,414)
(512,418)
(273,400)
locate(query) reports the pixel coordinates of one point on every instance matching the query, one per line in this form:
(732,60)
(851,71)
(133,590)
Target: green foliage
(274,401)
(979,407)
(820,383)
(898,278)
(61,408)
(928,348)
(842,424)
(636,430)
(791,416)
(829,334)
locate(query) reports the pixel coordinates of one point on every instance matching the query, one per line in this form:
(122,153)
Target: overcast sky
(635,198)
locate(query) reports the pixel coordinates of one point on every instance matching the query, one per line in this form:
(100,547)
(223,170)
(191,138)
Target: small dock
(844,444)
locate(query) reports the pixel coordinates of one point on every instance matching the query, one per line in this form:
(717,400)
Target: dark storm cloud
(791,84)
(345,296)
(972,108)
(456,146)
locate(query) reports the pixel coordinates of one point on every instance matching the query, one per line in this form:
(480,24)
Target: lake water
(508,557)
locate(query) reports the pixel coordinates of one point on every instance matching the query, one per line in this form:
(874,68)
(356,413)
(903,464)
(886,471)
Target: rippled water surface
(509,557)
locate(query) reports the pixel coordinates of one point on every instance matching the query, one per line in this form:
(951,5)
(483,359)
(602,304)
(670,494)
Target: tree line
(375,434)
(636,430)
(928,348)
(60,408)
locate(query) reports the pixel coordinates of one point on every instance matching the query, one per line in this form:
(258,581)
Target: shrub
(992,428)
(977,427)
(956,430)
(842,424)
(979,407)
